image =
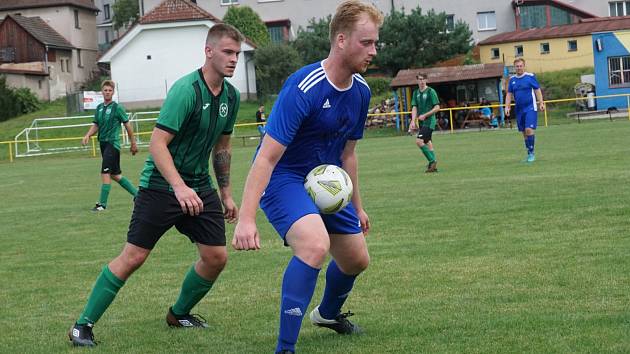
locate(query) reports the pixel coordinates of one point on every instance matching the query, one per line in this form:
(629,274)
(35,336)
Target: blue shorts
(285,201)
(527,119)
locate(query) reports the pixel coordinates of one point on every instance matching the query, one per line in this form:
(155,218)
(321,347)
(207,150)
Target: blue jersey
(314,119)
(522,89)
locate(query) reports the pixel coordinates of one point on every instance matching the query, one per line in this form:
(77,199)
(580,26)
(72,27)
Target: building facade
(612,68)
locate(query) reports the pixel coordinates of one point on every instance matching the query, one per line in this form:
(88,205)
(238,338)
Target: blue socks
(529,143)
(298,286)
(338,287)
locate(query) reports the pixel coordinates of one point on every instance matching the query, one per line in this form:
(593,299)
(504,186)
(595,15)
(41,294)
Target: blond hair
(109,83)
(348,14)
(220,30)
(519,59)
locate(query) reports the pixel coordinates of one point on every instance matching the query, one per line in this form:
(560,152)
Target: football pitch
(490,255)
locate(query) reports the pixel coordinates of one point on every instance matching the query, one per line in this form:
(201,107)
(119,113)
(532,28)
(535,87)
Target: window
(450,22)
(619,71)
(544,48)
(486,21)
(619,8)
(106,36)
(495,53)
(559,17)
(572,45)
(518,51)
(276,34)
(229,2)
(76,19)
(79,62)
(62,68)
(106,12)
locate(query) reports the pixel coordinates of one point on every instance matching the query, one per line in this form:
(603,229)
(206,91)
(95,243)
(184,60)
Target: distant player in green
(108,117)
(195,122)
(425,104)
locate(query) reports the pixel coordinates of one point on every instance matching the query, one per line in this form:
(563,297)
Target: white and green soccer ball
(330,188)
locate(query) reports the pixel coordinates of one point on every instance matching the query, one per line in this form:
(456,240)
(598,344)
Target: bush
(560,84)
(379,85)
(274,63)
(15,102)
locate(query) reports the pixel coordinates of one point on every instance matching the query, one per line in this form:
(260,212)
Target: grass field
(490,255)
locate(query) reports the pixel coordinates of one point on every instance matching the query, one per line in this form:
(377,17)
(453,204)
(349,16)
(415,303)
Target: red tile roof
(448,74)
(177,10)
(583,28)
(28,4)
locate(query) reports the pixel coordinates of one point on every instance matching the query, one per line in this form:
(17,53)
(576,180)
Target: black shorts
(155,212)
(111,159)
(425,134)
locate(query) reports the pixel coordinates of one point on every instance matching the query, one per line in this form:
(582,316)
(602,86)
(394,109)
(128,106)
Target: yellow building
(550,49)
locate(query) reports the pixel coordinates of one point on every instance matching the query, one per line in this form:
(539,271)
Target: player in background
(527,100)
(107,119)
(317,119)
(195,122)
(424,105)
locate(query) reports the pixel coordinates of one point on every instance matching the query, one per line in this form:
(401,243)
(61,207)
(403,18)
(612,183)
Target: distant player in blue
(527,100)
(317,119)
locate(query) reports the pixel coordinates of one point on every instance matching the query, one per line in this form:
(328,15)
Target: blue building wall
(611,46)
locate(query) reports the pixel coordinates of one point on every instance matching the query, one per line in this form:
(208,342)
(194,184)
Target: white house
(166,44)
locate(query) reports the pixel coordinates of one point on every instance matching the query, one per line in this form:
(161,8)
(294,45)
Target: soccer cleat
(531,157)
(81,335)
(340,324)
(99,207)
(185,321)
(432,167)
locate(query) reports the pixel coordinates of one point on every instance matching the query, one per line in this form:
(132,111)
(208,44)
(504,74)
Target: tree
(274,63)
(418,40)
(126,12)
(313,43)
(249,23)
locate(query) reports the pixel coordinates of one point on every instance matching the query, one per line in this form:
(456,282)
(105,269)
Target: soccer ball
(330,188)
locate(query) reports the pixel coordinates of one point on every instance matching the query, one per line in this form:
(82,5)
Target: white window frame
(498,51)
(486,26)
(542,50)
(619,73)
(107,12)
(569,45)
(625,8)
(270,0)
(516,55)
(229,2)
(452,17)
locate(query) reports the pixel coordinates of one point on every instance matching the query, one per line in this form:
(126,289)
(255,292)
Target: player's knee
(314,255)
(358,265)
(133,260)
(214,260)
(420,143)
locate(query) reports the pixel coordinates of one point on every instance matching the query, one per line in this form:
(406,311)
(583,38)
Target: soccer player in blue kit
(317,119)
(527,100)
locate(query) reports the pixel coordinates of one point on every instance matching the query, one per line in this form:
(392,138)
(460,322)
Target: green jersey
(197,118)
(108,118)
(425,101)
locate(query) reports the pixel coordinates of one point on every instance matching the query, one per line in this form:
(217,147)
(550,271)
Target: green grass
(490,255)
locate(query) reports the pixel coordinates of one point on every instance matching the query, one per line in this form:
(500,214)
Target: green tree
(419,40)
(126,12)
(249,23)
(313,43)
(14,102)
(274,63)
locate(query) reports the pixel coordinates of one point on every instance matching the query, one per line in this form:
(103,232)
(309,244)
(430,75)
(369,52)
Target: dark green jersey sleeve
(179,103)
(95,119)
(433,97)
(414,96)
(121,113)
(229,125)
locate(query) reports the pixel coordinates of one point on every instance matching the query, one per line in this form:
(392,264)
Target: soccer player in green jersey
(195,122)
(107,119)
(425,104)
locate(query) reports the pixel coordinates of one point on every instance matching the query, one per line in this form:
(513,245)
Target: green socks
(194,289)
(430,155)
(105,188)
(104,291)
(124,182)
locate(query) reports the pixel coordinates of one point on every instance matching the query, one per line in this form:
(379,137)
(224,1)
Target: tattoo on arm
(221,163)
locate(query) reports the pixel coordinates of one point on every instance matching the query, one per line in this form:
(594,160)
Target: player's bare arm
(221,161)
(350,164)
(539,98)
(134,147)
(188,199)
(508,102)
(93,130)
(246,235)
